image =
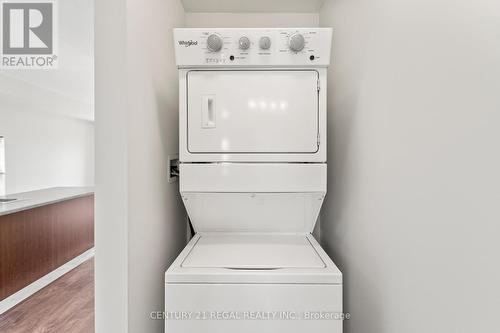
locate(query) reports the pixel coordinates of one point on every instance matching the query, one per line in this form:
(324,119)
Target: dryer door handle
(208,111)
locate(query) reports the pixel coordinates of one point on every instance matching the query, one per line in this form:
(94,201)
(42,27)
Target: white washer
(253,178)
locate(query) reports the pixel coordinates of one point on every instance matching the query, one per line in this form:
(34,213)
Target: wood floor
(66,305)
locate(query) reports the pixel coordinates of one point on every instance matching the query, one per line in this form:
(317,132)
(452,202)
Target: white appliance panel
(253,177)
(211,306)
(270,111)
(253,212)
(253,252)
(256,197)
(192,47)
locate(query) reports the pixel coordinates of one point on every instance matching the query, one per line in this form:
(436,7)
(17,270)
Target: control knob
(265,43)
(214,43)
(244,43)
(297,42)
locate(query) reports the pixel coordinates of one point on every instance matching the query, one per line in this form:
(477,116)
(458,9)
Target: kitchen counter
(41,231)
(33,199)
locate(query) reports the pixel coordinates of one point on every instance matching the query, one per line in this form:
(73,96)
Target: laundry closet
(242,110)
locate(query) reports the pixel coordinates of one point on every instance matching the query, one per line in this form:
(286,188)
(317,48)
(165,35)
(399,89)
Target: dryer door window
(264,111)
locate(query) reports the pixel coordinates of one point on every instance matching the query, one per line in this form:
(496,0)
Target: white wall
(46,116)
(251,20)
(46,150)
(412,215)
(157,224)
(254,6)
(140,221)
(111,167)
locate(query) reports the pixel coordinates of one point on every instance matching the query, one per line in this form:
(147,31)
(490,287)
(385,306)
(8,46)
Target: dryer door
(252,111)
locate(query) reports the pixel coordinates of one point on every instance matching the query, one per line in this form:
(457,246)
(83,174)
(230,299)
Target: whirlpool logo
(187,43)
(28,34)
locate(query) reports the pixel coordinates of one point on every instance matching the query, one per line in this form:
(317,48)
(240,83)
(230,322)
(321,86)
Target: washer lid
(253,252)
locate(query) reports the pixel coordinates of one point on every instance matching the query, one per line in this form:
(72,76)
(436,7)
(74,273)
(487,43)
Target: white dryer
(253,173)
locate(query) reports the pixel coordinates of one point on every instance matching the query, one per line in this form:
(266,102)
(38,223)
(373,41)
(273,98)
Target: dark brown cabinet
(36,241)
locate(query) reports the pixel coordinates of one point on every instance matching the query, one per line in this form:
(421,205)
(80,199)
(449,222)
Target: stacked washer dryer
(253,179)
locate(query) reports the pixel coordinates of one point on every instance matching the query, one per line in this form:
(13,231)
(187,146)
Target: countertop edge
(37,203)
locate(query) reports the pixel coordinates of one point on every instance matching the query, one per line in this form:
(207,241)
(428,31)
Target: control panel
(309,47)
